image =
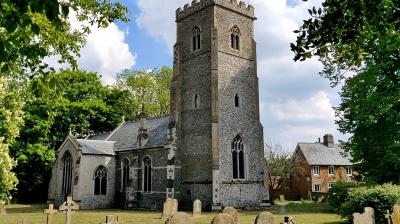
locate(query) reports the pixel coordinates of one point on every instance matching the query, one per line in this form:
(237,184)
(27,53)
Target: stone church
(210,147)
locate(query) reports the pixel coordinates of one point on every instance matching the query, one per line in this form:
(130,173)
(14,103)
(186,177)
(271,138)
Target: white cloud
(296,104)
(105,52)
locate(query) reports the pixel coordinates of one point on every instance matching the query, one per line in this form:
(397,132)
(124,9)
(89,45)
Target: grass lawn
(304,213)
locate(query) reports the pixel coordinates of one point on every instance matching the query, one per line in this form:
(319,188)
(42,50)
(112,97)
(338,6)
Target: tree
(78,103)
(150,90)
(280,166)
(11,117)
(34,29)
(358,42)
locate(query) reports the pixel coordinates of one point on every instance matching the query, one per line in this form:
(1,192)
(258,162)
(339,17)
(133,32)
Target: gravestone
(320,199)
(223,219)
(180,218)
(282,198)
(50,212)
(196,208)
(3,209)
(111,220)
(231,211)
(394,218)
(170,208)
(368,217)
(68,207)
(265,218)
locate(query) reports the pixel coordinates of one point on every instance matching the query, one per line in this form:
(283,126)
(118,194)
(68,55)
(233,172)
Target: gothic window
(147,174)
(67,174)
(125,173)
(238,158)
(100,181)
(235,40)
(236,100)
(196,38)
(196,100)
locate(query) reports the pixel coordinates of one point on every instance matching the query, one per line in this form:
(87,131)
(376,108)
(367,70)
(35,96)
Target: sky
(295,102)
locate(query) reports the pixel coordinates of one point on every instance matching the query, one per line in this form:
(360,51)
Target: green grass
(307,213)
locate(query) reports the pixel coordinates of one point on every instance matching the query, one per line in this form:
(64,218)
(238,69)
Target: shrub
(338,194)
(379,197)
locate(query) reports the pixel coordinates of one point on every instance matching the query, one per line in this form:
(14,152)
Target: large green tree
(31,30)
(78,103)
(358,42)
(11,119)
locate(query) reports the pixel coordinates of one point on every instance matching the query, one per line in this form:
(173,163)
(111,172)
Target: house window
(147,174)
(236,100)
(317,188)
(349,170)
(316,170)
(235,40)
(330,185)
(100,181)
(196,38)
(67,174)
(331,170)
(196,100)
(238,158)
(125,173)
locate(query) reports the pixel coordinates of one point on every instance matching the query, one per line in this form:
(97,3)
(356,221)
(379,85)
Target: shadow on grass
(17,208)
(304,208)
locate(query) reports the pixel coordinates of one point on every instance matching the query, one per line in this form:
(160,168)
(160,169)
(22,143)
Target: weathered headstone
(170,208)
(265,218)
(223,219)
(282,198)
(50,212)
(231,211)
(368,217)
(68,207)
(111,220)
(3,209)
(196,208)
(394,218)
(180,218)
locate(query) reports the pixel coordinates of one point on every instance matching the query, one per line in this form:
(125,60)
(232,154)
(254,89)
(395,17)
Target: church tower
(215,104)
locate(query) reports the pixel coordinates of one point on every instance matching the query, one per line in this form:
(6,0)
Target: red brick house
(318,167)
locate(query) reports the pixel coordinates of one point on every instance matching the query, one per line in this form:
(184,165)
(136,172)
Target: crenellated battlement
(198,5)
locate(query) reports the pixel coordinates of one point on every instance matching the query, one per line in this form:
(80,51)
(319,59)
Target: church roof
(96,147)
(320,154)
(125,136)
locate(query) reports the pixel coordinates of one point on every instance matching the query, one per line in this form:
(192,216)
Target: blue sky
(295,102)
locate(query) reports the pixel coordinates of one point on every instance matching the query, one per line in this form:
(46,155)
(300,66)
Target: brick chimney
(328,141)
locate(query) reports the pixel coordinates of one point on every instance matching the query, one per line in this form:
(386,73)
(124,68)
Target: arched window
(196,100)
(125,173)
(100,181)
(236,100)
(196,38)
(147,174)
(238,158)
(235,40)
(67,174)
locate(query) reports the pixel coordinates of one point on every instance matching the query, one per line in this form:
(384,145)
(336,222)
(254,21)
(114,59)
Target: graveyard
(306,212)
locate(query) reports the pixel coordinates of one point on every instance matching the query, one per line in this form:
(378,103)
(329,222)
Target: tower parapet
(197,5)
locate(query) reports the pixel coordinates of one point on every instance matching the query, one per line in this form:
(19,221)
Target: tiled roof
(320,154)
(96,147)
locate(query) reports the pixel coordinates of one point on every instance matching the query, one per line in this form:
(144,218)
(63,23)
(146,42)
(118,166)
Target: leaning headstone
(368,217)
(265,218)
(231,211)
(68,207)
(180,218)
(3,209)
(223,219)
(50,212)
(170,208)
(110,220)
(196,208)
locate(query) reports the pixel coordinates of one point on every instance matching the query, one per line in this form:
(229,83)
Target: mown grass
(302,213)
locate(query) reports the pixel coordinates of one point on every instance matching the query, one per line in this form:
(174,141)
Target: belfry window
(235,37)
(196,41)
(196,100)
(125,173)
(236,100)
(67,174)
(238,158)
(147,174)
(100,181)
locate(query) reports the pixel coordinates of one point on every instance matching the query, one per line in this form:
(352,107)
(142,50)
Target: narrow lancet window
(196,39)
(238,166)
(236,100)
(100,181)
(196,100)
(125,173)
(147,174)
(67,174)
